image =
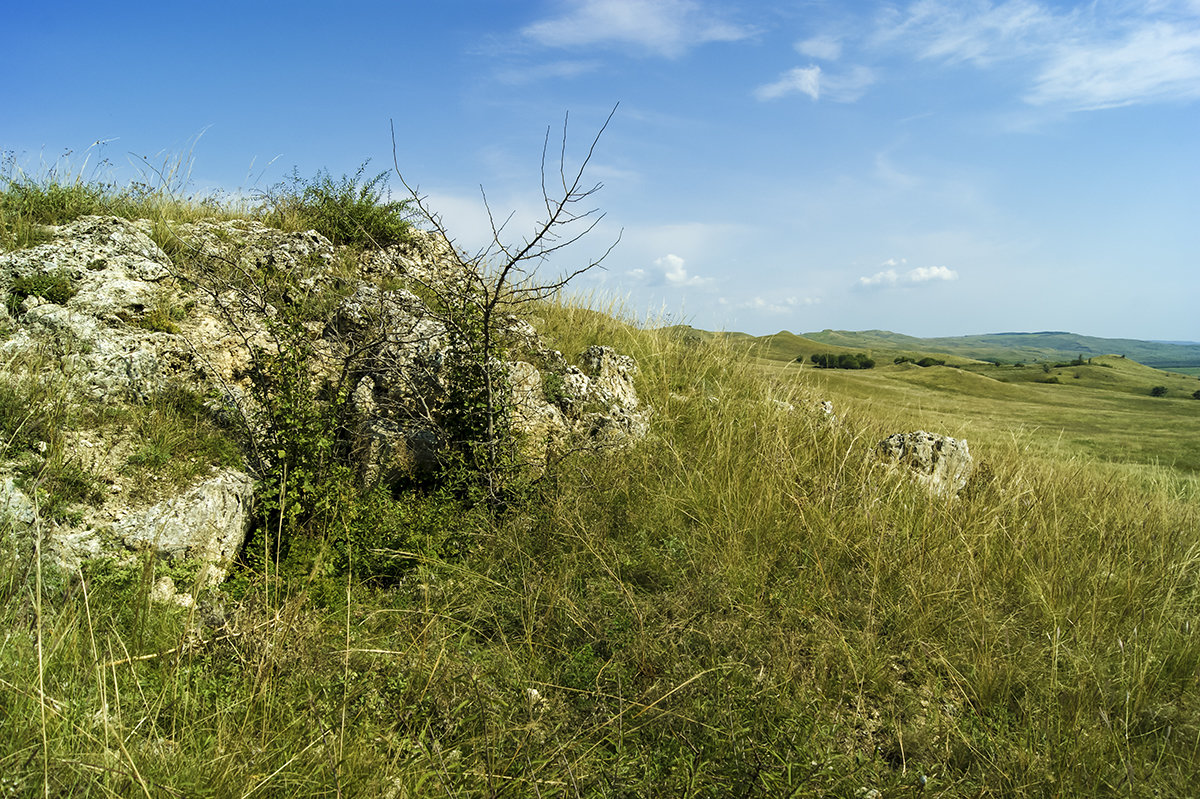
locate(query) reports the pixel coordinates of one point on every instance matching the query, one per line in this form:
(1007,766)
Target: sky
(931,167)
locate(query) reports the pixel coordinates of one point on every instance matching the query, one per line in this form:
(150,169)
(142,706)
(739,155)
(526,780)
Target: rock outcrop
(207,524)
(940,463)
(123,322)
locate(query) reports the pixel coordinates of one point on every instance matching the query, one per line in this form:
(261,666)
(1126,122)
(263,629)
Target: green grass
(1021,347)
(748,603)
(1106,414)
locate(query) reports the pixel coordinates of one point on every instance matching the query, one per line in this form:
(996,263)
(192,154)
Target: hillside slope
(1026,347)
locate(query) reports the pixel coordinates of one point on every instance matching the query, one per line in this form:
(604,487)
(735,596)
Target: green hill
(1021,347)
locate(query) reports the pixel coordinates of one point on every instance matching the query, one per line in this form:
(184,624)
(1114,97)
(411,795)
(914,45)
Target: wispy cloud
(892,278)
(976,31)
(826,48)
(666,28)
(518,76)
(801,80)
(841,87)
(1082,58)
(1154,62)
(773,306)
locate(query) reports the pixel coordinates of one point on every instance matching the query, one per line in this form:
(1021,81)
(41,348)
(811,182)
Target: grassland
(1020,347)
(1102,411)
(748,603)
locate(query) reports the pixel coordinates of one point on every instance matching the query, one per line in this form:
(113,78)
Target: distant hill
(1012,347)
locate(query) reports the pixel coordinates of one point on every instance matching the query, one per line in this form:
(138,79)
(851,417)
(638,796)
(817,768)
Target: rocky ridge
(103,318)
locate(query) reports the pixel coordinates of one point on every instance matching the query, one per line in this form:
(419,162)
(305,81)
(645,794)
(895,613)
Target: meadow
(747,603)
(1102,411)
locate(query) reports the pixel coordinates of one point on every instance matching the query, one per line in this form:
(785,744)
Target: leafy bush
(857,360)
(351,210)
(1196,395)
(927,361)
(1158,391)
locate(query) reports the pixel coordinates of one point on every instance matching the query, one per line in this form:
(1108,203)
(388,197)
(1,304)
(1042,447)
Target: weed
(56,287)
(352,210)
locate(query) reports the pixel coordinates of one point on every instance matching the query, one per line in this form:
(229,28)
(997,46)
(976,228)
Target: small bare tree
(496,282)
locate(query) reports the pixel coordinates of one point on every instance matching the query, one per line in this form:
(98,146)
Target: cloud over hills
(891,278)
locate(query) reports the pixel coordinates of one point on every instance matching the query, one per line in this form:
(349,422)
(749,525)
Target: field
(1101,411)
(748,602)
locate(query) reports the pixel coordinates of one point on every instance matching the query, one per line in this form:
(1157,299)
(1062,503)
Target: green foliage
(165,314)
(1196,395)
(1158,391)
(930,361)
(353,210)
(176,439)
(60,485)
(56,287)
(845,360)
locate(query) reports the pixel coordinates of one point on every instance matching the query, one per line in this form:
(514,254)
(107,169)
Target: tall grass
(746,604)
(61,192)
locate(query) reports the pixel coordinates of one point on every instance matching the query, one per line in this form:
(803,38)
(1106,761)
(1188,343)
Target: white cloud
(518,76)
(1155,62)
(977,31)
(924,274)
(891,278)
(784,305)
(674,272)
(841,87)
(826,48)
(1083,58)
(887,277)
(660,27)
(805,80)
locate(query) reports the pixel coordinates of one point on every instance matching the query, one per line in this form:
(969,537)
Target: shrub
(931,362)
(846,360)
(1196,395)
(352,210)
(55,287)
(1158,391)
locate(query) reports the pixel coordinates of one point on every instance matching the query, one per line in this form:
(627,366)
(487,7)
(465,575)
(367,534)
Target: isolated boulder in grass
(941,463)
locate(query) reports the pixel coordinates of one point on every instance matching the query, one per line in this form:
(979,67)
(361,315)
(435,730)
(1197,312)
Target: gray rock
(15,507)
(941,463)
(206,523)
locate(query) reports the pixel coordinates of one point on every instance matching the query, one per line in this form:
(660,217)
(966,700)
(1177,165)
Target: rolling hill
(1014,347)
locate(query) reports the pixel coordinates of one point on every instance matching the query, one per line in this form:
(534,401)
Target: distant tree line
(846,360)
(926,361)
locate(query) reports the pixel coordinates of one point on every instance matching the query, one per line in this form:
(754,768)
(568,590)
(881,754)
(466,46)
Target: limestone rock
(206,523)
(611,376)
(941,463)
(15,507)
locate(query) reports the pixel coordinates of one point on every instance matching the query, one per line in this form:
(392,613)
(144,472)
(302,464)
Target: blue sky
(936,167)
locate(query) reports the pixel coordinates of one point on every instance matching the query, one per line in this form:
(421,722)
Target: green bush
(352,210)
(55,287)
(1158,391)
(846,360)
